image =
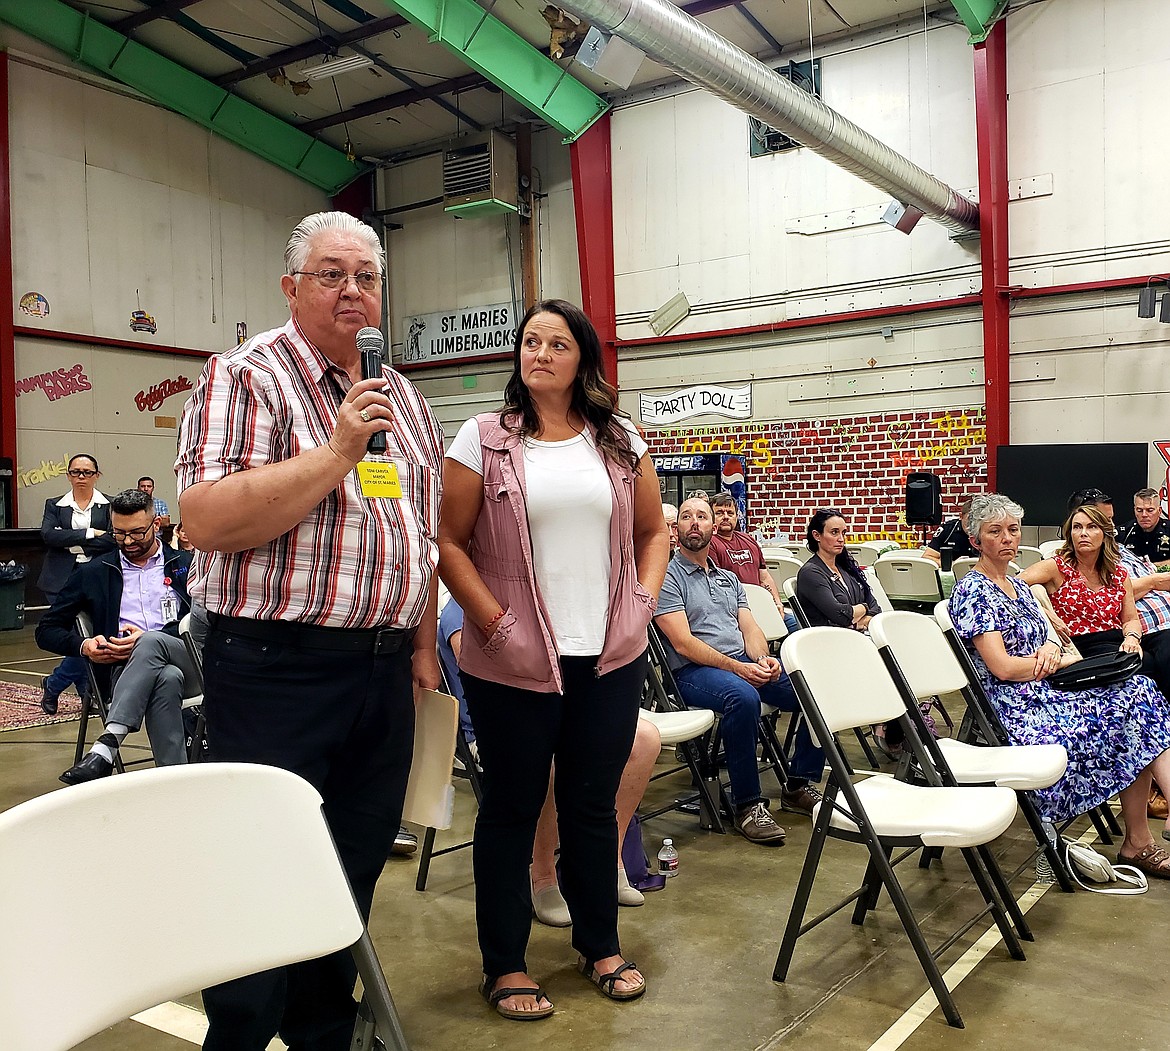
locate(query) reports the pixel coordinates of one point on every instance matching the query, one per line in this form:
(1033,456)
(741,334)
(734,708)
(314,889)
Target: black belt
(378,641)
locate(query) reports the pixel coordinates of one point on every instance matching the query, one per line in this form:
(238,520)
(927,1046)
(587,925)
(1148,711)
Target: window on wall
(763,141)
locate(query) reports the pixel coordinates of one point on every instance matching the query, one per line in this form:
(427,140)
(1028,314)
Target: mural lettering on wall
(59,383)
(46,472)
(149,400)
(34,304)
(859,464)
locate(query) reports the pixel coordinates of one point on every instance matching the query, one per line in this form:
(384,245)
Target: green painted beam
(102,48)
(508,61)
(979,16)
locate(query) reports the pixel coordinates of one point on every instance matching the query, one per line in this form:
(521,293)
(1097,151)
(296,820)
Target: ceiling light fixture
(336,66)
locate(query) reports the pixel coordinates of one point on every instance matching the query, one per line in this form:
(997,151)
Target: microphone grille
(370,338)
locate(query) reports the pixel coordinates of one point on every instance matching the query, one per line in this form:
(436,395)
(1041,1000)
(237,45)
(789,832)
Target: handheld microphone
(370,344)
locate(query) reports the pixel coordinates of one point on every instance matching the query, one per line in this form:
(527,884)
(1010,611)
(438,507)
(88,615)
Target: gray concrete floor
(1094,978)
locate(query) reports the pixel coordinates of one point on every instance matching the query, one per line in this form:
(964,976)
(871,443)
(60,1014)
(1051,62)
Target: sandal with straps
(607,982)
(1152,860)
(495,997)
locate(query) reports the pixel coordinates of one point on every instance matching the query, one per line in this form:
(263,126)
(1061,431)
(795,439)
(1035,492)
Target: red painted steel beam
(991,144)
(590,158)
(7,335)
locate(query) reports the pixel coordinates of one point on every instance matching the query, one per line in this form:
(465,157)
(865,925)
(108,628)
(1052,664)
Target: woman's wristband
(490,627)
(1133,635)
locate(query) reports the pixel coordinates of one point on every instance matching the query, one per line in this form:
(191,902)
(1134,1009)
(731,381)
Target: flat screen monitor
(1041,478)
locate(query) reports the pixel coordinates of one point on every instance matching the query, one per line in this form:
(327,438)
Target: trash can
(12,576)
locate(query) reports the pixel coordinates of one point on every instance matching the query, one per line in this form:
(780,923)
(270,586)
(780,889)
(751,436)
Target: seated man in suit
(721,661)
(135,597)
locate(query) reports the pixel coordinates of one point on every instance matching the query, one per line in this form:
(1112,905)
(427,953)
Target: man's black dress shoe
(90,768)
(48,700)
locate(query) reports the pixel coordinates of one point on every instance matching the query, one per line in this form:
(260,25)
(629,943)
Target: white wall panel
(688,146)
(1040,139)
(50,237)
(1054,43)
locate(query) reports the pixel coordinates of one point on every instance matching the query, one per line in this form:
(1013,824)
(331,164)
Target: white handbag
(1083,860)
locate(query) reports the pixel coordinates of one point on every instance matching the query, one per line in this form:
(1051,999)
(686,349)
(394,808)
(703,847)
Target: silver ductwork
(686,46)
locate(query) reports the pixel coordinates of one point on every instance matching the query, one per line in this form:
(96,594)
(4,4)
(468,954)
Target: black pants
(344,722)
(589,731)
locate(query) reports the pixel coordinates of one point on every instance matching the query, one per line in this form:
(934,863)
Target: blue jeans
(738,703)
(72,670)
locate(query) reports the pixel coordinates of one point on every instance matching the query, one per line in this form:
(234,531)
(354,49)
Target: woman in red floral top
(1091,591)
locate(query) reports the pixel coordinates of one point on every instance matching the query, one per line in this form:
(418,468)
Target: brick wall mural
(855,463)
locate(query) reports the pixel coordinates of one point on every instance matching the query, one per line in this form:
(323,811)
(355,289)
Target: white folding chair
(909,579)
(1050,547)
(801,615)
(797,549)
(842,683)
(1028,556)
(923,665)
(248,842)
(879,592)
(865,553)
(782,569)
(766,614)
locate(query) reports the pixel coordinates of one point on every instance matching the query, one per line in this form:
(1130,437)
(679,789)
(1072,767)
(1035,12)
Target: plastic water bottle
(668,859)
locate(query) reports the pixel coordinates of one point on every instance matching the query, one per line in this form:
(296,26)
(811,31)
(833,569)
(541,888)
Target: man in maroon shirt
(736,551)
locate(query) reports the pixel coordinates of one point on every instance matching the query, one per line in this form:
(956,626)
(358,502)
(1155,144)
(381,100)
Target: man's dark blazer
(59,535)
(96,588)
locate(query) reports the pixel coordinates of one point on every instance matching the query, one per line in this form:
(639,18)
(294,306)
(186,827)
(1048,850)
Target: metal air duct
(686,46)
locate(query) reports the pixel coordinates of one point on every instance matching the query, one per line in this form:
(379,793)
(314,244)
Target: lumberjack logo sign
(149,400)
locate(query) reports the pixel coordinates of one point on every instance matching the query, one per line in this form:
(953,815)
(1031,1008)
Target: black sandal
(607,982)
(495,996)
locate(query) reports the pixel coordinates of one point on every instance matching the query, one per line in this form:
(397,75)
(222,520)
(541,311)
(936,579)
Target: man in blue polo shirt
(721,662)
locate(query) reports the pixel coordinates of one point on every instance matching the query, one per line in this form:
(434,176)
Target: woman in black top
(832,588)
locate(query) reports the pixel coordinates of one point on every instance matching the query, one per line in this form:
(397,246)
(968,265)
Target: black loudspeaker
(923,498)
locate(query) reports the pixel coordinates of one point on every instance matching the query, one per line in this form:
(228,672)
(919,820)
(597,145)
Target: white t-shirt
(569,502)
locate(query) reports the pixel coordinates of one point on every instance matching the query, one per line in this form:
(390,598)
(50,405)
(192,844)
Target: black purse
(1102,670)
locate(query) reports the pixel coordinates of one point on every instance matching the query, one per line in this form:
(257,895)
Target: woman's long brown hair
(594,399)
(1108,558)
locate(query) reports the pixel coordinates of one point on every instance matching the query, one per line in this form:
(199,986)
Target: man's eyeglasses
(77,472)
(331,277)
(131,534)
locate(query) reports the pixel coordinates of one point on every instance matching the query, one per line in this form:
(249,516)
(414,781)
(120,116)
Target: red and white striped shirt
(353,562)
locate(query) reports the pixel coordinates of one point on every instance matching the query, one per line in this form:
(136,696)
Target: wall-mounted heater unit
(479,177)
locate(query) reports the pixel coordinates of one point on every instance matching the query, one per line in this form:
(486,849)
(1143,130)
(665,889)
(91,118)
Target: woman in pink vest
(552,540)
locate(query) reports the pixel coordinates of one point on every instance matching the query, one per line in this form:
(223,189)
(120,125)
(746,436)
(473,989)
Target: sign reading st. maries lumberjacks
(455,335)
(732,402)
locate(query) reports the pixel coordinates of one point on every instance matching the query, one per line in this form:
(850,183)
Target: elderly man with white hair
(316,566)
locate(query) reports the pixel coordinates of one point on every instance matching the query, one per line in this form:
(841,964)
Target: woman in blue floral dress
(1116,736)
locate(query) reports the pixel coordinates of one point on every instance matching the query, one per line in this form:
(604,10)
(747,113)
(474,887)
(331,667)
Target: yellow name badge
(379,479)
